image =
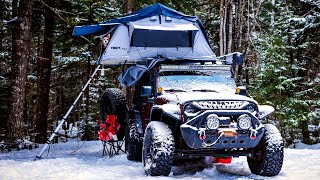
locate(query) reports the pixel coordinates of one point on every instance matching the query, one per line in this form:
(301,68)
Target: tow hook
(202,135)
(221,133)
(253,134)
(204,144)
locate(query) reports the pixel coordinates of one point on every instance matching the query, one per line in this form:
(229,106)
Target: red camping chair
(107,134)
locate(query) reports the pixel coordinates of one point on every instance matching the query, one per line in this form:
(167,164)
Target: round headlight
(244,121)
(212,121)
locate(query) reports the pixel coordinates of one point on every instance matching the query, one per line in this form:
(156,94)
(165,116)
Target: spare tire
(113,102)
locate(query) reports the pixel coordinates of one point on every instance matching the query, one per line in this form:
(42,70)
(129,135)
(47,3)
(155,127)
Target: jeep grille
(221,104)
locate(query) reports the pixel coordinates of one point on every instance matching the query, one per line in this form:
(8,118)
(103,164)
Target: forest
(43,67)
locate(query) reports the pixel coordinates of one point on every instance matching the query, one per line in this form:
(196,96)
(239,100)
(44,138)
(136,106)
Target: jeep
(190,110)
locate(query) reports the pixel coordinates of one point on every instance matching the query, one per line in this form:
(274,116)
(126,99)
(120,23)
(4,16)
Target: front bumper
(214,139)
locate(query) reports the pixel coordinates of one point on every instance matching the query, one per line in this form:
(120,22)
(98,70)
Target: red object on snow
(224,160)
(109,128)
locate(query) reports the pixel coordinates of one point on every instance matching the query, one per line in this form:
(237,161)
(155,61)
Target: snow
(305,146)
(82,160)
(298,20)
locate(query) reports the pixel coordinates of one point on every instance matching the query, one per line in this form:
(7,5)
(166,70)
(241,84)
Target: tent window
(159,38)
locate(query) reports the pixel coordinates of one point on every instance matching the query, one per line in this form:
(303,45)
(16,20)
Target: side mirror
(241,90)
(146,91)
(265,111)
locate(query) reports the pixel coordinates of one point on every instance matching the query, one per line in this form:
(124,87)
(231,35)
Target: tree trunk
(44,75)
(303,125)
(128,6)
(225,9)
(241,9)
(14,28)
(129,90)
(230,37)
(236,26)
(272,13)
(221,28)
(87,92)
(20,59)
(289,41)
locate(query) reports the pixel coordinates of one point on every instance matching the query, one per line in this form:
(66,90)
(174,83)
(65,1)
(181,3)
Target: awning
(92,29)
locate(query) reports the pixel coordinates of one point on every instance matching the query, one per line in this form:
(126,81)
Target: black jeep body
(194,109)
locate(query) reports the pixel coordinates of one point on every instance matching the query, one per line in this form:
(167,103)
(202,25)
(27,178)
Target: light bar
(195,67)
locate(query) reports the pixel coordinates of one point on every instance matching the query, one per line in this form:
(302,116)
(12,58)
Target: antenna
(174,92)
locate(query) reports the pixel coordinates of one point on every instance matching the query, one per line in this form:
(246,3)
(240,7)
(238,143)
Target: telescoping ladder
(67,114)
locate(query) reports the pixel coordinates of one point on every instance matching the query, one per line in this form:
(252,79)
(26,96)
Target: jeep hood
(183,97)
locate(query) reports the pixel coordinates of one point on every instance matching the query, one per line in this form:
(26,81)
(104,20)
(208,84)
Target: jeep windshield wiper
(204,90)
(175,90)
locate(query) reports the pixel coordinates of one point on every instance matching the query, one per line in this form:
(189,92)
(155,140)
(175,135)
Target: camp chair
(107,134)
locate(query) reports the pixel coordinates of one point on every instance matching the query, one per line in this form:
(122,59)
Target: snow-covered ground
(82,160)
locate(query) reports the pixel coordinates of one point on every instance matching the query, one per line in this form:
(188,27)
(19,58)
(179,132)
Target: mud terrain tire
(134,148)
(113,102)
(267,156)
(158,148)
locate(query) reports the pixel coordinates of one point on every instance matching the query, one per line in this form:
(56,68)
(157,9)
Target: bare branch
(55,11)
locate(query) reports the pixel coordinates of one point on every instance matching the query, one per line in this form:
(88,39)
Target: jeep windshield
(196,79)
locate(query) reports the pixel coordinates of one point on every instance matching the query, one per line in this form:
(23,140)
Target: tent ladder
(66,115)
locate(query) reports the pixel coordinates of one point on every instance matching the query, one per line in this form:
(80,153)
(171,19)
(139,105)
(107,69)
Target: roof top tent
(149,33)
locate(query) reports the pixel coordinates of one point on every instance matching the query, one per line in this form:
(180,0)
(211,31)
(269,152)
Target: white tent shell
(165,36)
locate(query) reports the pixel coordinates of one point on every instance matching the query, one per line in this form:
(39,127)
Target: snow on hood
(183,97)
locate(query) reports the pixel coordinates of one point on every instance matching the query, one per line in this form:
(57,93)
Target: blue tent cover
(153,10)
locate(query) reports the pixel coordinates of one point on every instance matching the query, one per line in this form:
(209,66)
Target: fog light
(212,121)
(244,121)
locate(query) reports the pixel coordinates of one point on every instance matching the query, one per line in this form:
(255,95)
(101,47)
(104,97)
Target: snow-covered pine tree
(283,78)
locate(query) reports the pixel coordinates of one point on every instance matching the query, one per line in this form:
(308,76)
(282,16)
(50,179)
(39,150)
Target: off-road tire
(113,102)
(158,149)
(267,156)
(134,146)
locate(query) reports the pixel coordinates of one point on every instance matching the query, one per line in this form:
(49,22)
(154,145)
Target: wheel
(113,102)
(158,149)
(134,148)
(267,156)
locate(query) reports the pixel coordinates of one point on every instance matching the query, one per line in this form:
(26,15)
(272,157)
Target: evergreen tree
(283,78)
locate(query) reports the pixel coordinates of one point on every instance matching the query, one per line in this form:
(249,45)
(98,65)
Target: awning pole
(66,115)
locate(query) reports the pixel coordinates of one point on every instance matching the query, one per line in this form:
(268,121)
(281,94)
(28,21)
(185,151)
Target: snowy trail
(86,163)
